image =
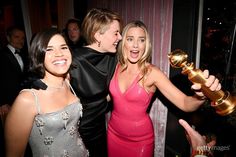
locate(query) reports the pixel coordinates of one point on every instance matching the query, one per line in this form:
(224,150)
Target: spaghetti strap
(71,87)
(35,98)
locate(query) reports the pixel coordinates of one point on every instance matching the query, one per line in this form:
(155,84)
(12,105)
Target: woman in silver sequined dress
(46,115)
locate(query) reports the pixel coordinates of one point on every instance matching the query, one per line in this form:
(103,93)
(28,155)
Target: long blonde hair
(146,57)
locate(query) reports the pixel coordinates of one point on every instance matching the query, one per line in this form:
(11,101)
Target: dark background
(218,56)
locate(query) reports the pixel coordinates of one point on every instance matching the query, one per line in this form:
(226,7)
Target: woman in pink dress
(130,130)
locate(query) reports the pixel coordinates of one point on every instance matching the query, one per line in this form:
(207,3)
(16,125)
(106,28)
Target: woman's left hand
(211,82)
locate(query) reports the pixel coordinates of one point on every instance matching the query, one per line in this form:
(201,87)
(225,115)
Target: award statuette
(222,101)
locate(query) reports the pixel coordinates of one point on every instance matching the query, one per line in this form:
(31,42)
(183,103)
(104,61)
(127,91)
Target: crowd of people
(78,77)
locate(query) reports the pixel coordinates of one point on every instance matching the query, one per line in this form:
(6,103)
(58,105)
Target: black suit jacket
(11,77)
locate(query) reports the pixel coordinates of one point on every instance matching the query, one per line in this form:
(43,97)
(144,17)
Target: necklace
(54,87)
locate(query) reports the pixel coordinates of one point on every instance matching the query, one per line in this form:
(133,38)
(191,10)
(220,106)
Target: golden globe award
(222,101)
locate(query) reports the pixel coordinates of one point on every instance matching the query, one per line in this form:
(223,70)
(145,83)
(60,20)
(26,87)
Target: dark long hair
(38,49)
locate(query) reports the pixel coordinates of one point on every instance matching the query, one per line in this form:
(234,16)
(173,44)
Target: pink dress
(130,130)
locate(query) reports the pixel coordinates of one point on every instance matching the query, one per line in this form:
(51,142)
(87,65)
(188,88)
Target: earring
(99,43)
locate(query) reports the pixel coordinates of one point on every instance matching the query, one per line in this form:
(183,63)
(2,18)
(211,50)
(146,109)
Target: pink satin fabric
(130,130)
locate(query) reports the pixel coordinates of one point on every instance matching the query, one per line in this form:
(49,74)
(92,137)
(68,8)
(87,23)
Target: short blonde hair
(97,19)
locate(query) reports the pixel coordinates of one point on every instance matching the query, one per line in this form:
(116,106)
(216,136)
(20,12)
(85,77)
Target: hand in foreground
(211,81)
(198,142)
(4,109)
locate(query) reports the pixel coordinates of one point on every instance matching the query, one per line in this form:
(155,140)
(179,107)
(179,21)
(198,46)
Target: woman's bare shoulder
(25,99)
(154,69)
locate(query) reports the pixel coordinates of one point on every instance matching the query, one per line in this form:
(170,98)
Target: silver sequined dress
(56,134)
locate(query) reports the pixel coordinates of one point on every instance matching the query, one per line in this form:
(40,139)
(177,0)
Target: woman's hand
(211,82)
(108,98)
(4,109)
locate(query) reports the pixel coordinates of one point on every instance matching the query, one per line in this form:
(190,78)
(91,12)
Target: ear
(97,36)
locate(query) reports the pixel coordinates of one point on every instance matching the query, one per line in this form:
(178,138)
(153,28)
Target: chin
(112,51)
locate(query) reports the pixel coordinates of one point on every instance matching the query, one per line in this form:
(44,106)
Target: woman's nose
(58,52)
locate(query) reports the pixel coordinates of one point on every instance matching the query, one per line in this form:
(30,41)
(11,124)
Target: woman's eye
(64,48)
(49,49)
(129,39)
(142,40)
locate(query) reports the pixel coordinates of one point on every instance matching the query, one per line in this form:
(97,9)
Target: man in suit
(12,70)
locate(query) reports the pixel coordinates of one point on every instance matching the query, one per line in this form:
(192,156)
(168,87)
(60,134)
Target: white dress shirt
(18,57)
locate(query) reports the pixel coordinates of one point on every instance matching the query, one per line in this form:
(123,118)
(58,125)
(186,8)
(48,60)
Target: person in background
(199,144)
(73,33)
(11,65)
(12,68)
(94,67)
(47,115)
(130,130)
